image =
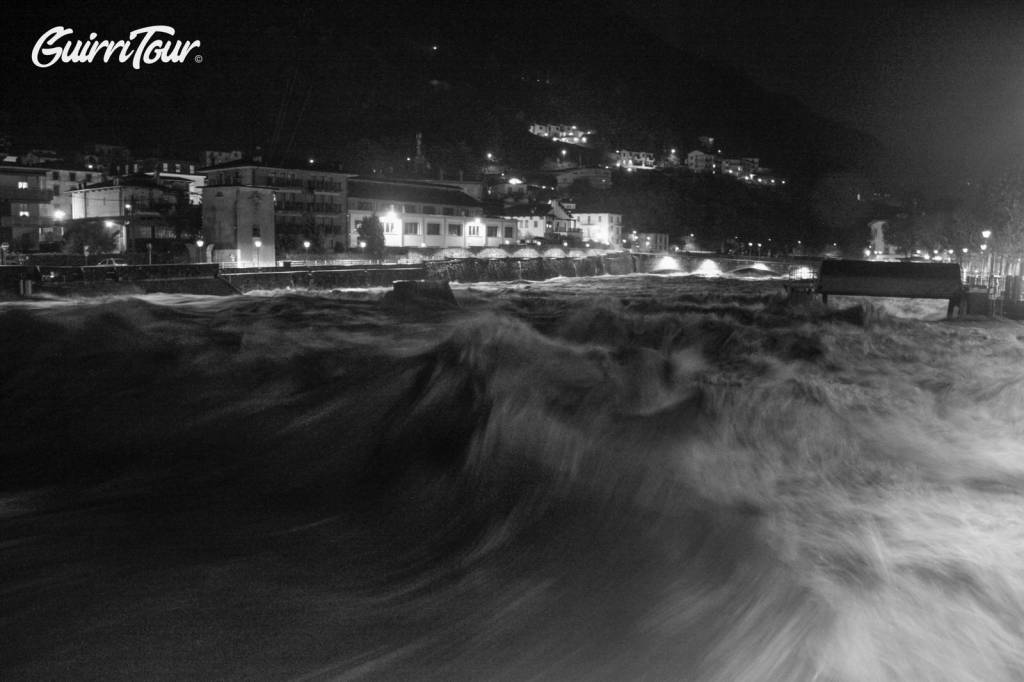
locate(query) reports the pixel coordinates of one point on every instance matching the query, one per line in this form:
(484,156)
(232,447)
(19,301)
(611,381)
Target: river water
(613,478)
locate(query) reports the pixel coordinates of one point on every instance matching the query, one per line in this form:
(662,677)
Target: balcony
(300,207)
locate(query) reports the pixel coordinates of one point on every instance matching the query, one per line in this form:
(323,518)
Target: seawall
(211,279)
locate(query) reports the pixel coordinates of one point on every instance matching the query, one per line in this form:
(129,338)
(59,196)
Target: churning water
(614,478)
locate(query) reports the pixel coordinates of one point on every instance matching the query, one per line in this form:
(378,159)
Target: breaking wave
(614,478)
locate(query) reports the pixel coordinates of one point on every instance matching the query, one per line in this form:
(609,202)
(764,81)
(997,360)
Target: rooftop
(411,191)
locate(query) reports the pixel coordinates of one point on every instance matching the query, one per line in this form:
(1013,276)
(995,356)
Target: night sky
(941,86)
(941,83)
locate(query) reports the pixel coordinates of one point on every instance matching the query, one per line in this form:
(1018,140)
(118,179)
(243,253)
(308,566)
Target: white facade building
(416,214)
(599,227)
(238,225)
(633,160)
(702,162)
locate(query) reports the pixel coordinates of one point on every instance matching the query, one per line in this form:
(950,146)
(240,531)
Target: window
(492,230)
(434,229)
(448,210)
(411,228)
(454,230)
(389,227)
(56,190)
(22,184)
(464,212)
(409,208)
(510,232)
(88,177)
(72,176)
(474,230)
(429,210)
(55,175)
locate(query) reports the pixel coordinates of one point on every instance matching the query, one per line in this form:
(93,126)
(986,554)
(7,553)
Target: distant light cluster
(566,134)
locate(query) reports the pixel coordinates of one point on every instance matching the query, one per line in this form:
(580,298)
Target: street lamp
(258,243)
(985,234)
(305,245)
(127,228)
(199,245)
(58,217)
(85,251)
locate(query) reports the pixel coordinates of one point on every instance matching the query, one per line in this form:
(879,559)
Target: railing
(299,207)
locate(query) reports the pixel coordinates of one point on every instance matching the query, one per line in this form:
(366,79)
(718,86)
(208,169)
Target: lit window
(22,184)
(23,214)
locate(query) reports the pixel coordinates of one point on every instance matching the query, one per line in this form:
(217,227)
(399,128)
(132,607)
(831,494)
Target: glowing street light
(199,246)
(258,243)
(305,245)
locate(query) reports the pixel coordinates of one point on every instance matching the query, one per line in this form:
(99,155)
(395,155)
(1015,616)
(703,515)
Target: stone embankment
(211,279)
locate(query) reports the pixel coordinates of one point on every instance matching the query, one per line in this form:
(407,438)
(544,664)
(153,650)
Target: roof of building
(128,181)
(409,191)
(19,168)
(285,165)
(525,210)
(595,206)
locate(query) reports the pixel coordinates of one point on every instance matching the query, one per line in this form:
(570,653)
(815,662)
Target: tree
(94,235)
(371,233)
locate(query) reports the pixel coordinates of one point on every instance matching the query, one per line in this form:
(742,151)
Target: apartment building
(416,214)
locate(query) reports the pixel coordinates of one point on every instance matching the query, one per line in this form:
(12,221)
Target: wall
(232,218)
(313,278)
